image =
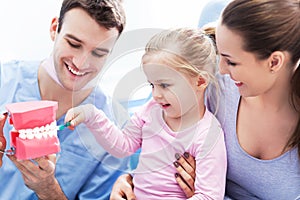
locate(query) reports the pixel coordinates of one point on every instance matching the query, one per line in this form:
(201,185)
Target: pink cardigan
(154,176)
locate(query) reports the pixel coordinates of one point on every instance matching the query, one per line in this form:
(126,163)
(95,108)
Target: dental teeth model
(49,130)
(34,132)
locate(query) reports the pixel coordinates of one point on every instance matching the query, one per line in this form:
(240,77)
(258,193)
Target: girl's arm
(211,169)
(119,143)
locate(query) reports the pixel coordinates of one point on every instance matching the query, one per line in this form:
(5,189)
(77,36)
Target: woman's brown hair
(267,26)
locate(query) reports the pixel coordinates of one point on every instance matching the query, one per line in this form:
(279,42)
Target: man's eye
(98,54)
(77,46)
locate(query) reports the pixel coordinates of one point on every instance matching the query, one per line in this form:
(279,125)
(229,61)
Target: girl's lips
(165,105)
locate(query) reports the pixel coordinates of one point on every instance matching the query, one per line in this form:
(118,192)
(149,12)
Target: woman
(258,43)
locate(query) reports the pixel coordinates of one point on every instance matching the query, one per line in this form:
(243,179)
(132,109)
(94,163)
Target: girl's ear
(276,61)
(202,82)
(53,28)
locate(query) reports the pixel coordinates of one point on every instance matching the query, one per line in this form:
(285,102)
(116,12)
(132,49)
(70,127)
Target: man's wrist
(53,193)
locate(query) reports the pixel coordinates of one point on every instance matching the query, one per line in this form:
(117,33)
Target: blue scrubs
(84,170)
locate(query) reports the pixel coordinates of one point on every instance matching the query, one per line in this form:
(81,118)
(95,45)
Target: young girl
(179,64)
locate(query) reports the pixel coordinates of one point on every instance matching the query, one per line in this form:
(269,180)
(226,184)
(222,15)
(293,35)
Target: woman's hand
(2,138)
(185,165)
(123,188)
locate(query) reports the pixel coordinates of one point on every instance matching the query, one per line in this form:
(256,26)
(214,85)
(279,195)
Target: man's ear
(276,61)
(53,28)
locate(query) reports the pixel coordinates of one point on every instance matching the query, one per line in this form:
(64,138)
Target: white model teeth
(50,130)
(77,73)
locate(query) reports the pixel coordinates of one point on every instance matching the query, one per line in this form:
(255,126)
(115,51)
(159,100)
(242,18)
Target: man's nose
(82,61)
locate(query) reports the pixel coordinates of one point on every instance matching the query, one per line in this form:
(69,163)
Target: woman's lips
(238,84)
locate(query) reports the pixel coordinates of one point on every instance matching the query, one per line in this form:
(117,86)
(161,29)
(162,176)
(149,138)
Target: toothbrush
(63,126)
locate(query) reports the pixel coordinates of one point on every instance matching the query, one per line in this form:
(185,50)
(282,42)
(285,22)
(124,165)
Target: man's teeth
(77,73)
(50,130)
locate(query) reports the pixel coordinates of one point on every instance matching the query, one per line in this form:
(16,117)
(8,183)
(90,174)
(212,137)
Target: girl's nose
(156,93)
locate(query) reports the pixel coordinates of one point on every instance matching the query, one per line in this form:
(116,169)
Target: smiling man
(83,37)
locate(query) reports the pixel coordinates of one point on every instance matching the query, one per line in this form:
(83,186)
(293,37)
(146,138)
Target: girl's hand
(185,165)
(78,114)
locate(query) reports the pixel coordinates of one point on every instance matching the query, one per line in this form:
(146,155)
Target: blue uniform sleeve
(84,169)
(99,184)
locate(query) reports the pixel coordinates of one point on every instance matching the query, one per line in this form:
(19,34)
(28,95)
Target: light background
(25,28)
(25,23)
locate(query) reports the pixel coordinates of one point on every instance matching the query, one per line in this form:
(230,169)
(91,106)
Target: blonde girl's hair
(185,49)
(188,50)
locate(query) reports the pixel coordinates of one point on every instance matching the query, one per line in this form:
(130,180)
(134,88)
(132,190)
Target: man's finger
(2,138)
(123,188)
(2,120)
(45,163)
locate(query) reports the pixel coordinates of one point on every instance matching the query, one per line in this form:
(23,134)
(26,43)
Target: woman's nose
(223,68)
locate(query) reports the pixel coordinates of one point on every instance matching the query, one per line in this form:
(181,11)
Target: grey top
(248,177)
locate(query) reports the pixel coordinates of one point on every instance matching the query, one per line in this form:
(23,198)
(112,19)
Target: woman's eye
(231,63)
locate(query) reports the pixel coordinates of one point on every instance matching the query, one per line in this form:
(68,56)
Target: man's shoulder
(19,63)
(12,67)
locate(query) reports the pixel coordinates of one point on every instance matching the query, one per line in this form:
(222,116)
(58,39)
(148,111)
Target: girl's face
(251,76)
(175,91)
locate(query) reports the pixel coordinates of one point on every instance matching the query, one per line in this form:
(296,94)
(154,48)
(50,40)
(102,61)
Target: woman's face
(251,75)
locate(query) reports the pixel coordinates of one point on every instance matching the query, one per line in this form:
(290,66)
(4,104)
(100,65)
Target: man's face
(80,48)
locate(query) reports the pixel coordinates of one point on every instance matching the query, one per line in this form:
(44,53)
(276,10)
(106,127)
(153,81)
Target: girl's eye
(231,63)
(164,85)
(77,46)
(151,85)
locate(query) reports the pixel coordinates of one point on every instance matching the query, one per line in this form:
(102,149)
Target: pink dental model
(35,130)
